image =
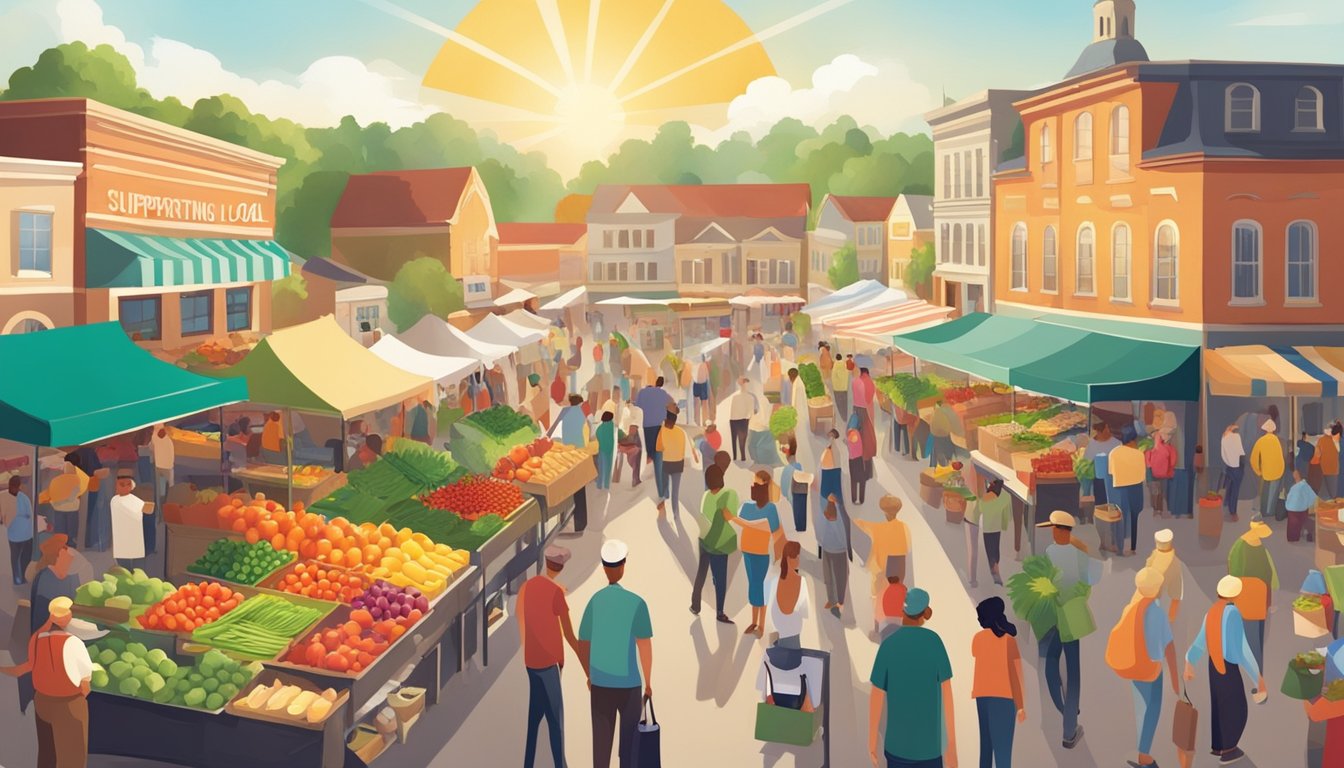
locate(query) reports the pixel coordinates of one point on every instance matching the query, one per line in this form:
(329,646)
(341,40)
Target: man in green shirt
(912,678)
(718,538)
(1249,558)
(616,629)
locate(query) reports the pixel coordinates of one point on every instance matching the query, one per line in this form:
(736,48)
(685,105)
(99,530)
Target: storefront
(37,209)
(172,231)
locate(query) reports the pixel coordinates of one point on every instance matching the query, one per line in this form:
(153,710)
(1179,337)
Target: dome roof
(1108,53)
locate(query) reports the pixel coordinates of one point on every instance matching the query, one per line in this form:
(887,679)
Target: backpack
(1127,648)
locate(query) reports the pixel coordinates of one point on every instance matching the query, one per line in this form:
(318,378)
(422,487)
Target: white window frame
(1082,137)
(32,272)
(1259,263)
(1018,249)
(1228,111)
(1317,110)
(1119,138)
(1127,259)
(1315,263)
(1175,266)
(1047,150)
(1085,227)
(1050,261)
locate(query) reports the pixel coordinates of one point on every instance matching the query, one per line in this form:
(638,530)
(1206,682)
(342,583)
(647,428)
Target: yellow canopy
(1280,371)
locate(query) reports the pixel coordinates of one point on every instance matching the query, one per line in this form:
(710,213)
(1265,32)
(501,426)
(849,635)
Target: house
(37,284)
(883,231)
(357,301)
(909,226)
(386,219)
(543,254)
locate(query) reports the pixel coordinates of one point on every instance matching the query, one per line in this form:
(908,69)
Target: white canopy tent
(447,371)
(528,320)
(570,298)
(494,329)
(437,336)
(844,299)
(885,299)
(515,296)
(695,351)
(754,302)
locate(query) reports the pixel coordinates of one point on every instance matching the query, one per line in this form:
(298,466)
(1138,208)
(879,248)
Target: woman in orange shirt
(997,685)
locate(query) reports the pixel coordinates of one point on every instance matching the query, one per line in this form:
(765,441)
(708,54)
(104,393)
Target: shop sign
(172,208)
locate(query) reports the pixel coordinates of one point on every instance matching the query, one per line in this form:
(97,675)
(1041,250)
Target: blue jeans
(1255,638)
(799,511)
(1269,499)
(659,477)
(1232,487)
(1064,694)
(998,720)
(543,686)
(1147,711)
(717,566)
(604,464)
(1130,499)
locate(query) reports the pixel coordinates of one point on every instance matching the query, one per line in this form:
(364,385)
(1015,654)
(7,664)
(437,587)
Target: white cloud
(1289,13)
(881,95)
(329,89)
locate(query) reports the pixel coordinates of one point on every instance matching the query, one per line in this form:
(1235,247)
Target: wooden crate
(268,676)
(564,486)
(185,546)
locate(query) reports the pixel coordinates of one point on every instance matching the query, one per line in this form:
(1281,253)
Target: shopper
(700,391)
(998,683)
(1234,468)
(1164,561)
(761,532)
(890,540)
(858,462)
(994,514)
(840,388)
(1222,636)
(1070,556)
(825,361)
(65,493)
(128,514)
(672,445)
(653,402)
(718,539)
(572,423)
(741,407)
(831,482)
(574,363)
(1250,561)
(1327,456)
(273,439)
(1268,465)
(1137,646)
(796,482)
(536,403)
(16,514)
(544,627)
(890,605)
(788,601)
(631,450)
(1128,470)
(790,340)
(61,669)
(52,577)
(835,555)
(912,680)
(606,448)
(162,450)
(619,637)
(1161,462)
(1098,450)
(862,394)
(1299,502)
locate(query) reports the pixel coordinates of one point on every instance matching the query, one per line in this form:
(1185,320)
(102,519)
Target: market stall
(563,306)
(446,372)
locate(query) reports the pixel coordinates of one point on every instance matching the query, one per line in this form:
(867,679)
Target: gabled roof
(542,233)
(756,201)
(420,198)
(863,209)
(337,273)
(921,210)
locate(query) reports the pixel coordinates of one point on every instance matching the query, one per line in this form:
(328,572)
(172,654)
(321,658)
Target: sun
(572,77)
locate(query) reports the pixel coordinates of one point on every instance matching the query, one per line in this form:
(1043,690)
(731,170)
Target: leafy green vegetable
(1084,469)
(906,390)
(812,383)
(1032,441)
(499,420)
(1033,594)
(783,421)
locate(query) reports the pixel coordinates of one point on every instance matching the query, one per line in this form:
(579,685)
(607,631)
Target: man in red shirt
(893,600)
(543,622)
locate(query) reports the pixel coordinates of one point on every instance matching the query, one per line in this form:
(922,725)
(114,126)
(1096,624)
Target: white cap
(1059,518)
(1163,536)
(614,552)
(1269,425)
(1229,587)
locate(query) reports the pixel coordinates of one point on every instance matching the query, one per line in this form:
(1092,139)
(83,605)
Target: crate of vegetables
(1053,466)
(481,439)
(1310,618)
(1303,678)
(347,642)
(278,697)
(320,581)
(240,562)
(263,626)
(191,605)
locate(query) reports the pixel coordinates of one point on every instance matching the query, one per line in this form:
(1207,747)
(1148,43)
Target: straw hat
(1229,587)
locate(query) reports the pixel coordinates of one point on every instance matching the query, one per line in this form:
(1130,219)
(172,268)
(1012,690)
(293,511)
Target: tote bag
(781,725)
(648,739)
(1185,724)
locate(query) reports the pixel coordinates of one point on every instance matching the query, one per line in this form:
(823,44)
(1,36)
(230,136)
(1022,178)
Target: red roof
(542,233)
(401,198)
(757,201)
(864,208)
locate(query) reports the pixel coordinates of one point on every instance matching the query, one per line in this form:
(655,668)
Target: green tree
(422,286)
(802,324)
(919,275)
(289,300)
(844,267)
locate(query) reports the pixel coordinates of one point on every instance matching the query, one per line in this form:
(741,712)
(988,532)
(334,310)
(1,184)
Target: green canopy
(71,386)
(1059,360)
(128,260)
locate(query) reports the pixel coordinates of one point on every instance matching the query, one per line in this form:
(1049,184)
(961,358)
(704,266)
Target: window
(238,309)
(1301,261)
(623,269)
(653,271)
(1307,112)
(1120,139)
(708,276)
(597,272)
(945,244)
(624,239)
(1166,264)
(34,244)
(639,271)
(1047,152)
(648,238)
(1082,137)
(970,244)
(956,175)
(956,243)
(1120,260)
(1085,275)
(607,238)
(611,272)
(1243,109)
(947,176)
(140,318)
(860,236)
(982,245)
(1246,251)
(638,238)
(1049,262)
(979,172)
(1018,278)
(367,317)
(196,312)
(751,272)
(968,170)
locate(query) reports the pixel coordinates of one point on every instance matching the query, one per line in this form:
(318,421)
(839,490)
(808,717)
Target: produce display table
(563,487)
(184,545)
(273,481)
(508,554)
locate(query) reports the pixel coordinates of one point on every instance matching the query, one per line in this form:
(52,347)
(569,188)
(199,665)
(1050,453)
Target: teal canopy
(127,260)
(1059,360)
(71,386)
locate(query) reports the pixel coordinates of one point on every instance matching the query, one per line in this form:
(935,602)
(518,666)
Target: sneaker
(1073,742)
(1231,756)
(723,619)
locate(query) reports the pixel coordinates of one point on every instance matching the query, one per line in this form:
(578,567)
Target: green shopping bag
(781,725)
(1299,683)
(1075,619)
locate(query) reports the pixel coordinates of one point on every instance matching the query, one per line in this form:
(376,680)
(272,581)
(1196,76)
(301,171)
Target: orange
(268,528)
(278,541)
(323,547)
(252,536)
(336,557)
(239,525)
(384,543)
(373,554)
(353,557)
(308,549)
(251,515)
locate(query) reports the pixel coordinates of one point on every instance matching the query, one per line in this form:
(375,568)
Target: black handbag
(648,739)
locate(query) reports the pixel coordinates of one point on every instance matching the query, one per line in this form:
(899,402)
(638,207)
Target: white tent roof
(445,370)
(846,295)
(437,336)
(567,299)
(494,329)
(515,296)
(528,320)
(880,325)
(887,298)
(762,301)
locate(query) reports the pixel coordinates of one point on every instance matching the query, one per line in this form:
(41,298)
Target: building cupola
(1113,40)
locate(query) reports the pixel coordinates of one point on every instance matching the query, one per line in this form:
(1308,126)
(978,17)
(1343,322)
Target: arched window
(1243,108)
(1047,152)
(1085,262)
(1018,277)
(1246,265)
(1307,110)
(1082,137)
(1166,263)
(1120,262)
(1120,138)
(1049,262)
(1101,27)
(1302,261)
(956,243)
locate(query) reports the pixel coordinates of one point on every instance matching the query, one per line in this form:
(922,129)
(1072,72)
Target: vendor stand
(444,371)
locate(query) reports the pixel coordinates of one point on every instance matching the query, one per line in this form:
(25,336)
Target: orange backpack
(1127,648)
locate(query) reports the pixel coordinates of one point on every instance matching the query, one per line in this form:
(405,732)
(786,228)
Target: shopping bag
(782,725)
(1302,683)
(648,739)
(1075,620)
(1185,724)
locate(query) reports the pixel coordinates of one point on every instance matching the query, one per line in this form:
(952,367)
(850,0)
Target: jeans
(1064,693)
(1328,486)
(604,463)
(1232,487)
(1269,498)
(1098,491)
(131,563)
(659,476)
(1147,711)
(543,686)
(737,432)
(1131,504)
(717,565)
(20,552)
(835,574)
(799,512)
(671,486)
(1255,638)
(900,437)
(998,720)
(67,523)
(607,705)
(151,530)
(900,762)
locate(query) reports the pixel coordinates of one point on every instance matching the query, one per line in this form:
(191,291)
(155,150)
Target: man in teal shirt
(718,539)
(616,629)
(912,678)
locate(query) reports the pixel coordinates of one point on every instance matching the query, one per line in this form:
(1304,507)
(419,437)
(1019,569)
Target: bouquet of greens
(811,376)
(783,421)
(1033,594)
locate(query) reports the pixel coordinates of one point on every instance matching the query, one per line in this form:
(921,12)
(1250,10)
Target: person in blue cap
(912,680)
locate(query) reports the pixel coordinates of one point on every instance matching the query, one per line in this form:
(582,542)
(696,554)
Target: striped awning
(128,260)
(1258,370)
(881,325)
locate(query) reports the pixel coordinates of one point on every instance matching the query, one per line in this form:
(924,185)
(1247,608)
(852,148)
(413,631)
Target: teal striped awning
(125,260)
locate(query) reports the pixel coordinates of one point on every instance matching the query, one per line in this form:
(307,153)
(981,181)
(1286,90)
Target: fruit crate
(564,486)
(268,676)
(520,523)
(193,575)
(185,544)
(272,582)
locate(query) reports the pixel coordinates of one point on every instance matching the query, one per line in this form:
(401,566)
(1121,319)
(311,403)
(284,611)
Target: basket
(931,494)
(1108,513)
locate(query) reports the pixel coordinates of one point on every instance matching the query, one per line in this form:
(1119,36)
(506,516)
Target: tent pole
(223,454)
(289,458)
(1292,431)
(32,495)
(344,425)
